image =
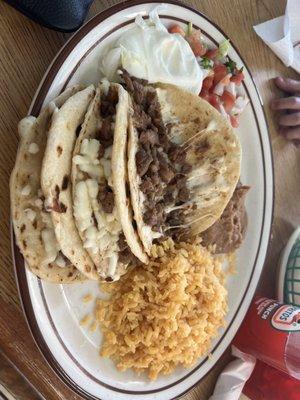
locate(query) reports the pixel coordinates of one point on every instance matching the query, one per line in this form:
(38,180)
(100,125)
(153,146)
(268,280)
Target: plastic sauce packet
(231,381)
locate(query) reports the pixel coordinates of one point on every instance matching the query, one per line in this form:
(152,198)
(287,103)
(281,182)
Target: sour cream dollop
(148,51)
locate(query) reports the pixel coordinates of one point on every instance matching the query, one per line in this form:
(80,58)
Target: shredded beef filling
(125,254)
(106,198)
(105,194)
(160,163)
(106,137)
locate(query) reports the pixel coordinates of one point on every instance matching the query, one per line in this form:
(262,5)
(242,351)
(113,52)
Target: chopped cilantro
(206,63)
(231,66)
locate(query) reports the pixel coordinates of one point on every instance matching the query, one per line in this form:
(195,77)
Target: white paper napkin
(282,35)
(231,381)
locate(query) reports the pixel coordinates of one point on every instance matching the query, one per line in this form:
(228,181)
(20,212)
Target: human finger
(291,133)
(292,119)
(287,84)
(286,103)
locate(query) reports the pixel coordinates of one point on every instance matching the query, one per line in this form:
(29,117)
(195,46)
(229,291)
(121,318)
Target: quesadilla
(33,226)
(102,207)
(184,162)
(55,178)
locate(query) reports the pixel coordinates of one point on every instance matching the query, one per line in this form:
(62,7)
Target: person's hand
(289,120)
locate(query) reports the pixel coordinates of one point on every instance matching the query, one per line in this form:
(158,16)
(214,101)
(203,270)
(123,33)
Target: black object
(61,15)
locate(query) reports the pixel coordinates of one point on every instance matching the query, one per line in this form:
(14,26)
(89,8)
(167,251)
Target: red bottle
(268,383)
(271,333)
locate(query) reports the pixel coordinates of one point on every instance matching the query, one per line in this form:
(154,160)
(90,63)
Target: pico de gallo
(222,78)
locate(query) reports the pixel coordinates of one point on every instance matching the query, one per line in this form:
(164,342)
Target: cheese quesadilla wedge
(32,224)
(102,208)
(184,162)
(56,178)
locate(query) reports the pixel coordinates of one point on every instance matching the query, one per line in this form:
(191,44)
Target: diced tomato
(234,121)
(194,35)
(208,82)
(228,100)
(177,29)
(238,78)
(196,45)
(205,94)
(211,53)
(214,100)
(226,80)
(220,71)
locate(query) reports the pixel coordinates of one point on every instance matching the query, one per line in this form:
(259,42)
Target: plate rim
(45,84)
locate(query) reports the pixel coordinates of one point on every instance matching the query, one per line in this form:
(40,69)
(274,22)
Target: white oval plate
(54,311)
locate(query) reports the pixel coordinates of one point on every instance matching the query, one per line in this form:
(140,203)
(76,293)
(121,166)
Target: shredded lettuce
(189,29)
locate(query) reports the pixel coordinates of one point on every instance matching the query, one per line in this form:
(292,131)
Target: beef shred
(125,254)
(106,198)
(107,113)
(106,136)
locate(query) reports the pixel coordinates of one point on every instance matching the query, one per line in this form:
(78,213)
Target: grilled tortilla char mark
(161,164)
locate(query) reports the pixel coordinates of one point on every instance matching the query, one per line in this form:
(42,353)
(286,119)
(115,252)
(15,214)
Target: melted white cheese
(33,148)
(50,244)
(101,236)
(26,190)
(87,161)
(60,261)
(30,214)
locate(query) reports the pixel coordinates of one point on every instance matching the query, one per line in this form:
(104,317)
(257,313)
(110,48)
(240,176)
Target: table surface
(26,49)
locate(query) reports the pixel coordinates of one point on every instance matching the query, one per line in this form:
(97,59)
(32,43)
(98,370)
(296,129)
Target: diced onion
(231,88)
(26,190)
(50,244)
(219,89)
(239,105)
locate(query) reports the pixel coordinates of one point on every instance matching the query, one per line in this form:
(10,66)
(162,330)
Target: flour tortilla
(120,177)
(89,131)
(30,221)
(214,175)
(55,178)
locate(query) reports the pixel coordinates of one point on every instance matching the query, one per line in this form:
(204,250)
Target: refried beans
(228,232)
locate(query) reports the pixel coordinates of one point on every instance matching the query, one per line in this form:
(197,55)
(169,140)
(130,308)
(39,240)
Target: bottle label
(286,318)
